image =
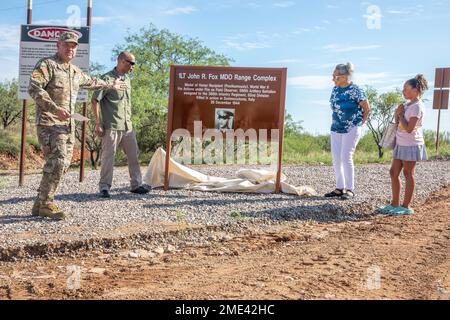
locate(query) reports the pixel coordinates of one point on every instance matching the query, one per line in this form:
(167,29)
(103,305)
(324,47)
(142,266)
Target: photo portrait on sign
(225,119)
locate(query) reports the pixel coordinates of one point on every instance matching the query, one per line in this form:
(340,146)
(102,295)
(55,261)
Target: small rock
(31,288)
(319,235)
(159,250)
(226,238)
(97,270)
(153,262)
(133,255)
(170,248)
(442,290)
(290,278)
(145,254)
(307,263)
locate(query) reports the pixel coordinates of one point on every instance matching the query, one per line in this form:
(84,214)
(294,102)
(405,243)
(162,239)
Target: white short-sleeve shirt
(415,138)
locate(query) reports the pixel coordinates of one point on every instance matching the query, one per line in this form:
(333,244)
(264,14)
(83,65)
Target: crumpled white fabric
(247,180)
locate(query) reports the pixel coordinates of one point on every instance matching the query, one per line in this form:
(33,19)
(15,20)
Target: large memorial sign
(249,98)
(227,99)
(37,42)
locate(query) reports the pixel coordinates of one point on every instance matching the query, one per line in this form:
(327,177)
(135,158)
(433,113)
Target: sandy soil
(381,258)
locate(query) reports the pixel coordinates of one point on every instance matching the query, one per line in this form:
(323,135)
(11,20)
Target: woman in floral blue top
(350,111)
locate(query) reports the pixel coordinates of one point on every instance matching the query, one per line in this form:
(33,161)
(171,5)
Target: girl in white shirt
(410,145)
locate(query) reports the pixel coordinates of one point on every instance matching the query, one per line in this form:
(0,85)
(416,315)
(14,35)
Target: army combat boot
(36,206)
(51,210)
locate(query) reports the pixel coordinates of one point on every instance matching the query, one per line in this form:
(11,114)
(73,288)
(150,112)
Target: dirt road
(381,258)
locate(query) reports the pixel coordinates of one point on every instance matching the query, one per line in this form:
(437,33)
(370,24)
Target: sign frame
(441,89)
(441,97)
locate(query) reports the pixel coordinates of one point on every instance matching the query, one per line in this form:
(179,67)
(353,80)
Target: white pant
(343,146)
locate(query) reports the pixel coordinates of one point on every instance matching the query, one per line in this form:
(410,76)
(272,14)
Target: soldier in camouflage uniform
(54,86)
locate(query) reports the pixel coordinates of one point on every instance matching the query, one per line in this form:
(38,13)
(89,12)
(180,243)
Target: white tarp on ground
(248,180)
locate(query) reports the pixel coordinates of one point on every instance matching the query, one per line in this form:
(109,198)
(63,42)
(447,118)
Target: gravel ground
(126,213)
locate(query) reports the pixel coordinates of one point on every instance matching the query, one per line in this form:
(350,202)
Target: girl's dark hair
(419,83)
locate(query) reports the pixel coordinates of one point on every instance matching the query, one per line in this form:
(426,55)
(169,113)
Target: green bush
(367,144)
(10,140)
(34,142)
(9,144)
(305,143)
(309,149)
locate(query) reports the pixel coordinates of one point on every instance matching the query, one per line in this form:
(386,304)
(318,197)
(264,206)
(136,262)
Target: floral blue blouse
(347,113)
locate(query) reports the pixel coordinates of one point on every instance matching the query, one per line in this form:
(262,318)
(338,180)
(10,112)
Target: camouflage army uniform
(55,84)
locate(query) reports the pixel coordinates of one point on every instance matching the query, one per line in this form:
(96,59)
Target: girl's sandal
(385,210)
(401,211)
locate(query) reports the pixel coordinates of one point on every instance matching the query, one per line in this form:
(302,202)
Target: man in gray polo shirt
(115,127)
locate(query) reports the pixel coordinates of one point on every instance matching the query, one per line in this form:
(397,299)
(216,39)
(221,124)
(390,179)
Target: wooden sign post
(24,114)
(226,99)
(85,104)
(34,45)
(441,97)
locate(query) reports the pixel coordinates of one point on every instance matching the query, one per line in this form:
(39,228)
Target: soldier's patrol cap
(68,37)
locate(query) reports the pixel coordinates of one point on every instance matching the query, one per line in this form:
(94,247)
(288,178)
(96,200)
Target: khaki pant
(57,146)
(111,140)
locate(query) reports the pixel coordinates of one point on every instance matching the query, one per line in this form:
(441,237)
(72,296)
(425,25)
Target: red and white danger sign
(37,42)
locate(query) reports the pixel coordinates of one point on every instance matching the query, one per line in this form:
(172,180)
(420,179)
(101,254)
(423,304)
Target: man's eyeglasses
(130,62)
